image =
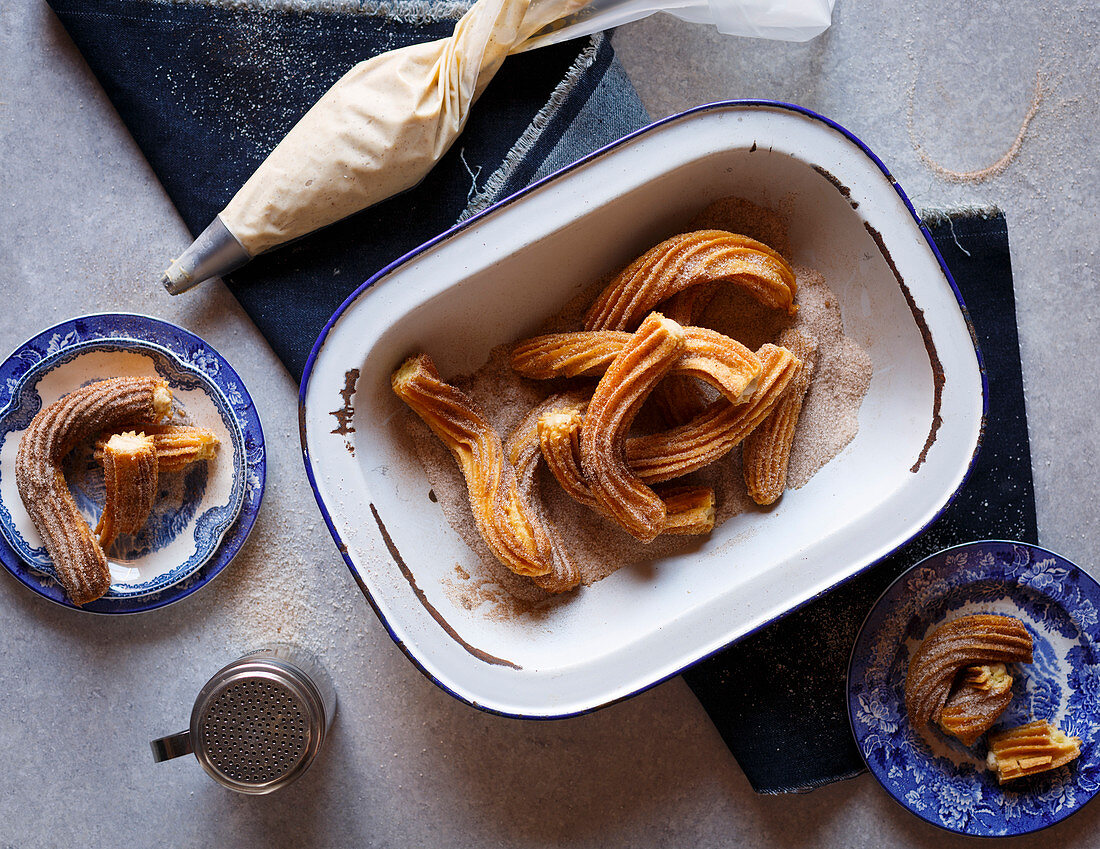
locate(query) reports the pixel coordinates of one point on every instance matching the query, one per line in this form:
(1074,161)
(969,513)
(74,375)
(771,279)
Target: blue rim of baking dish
(710,107)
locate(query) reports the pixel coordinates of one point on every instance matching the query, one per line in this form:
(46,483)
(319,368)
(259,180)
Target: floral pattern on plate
(203,515)
(934,775)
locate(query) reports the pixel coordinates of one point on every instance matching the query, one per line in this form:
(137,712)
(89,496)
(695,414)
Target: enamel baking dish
(494,278)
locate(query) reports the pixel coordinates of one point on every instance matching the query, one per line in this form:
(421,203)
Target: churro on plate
(130,476)
(177,446)
(77,555)
(956,645)
(1030,749)
(982,694)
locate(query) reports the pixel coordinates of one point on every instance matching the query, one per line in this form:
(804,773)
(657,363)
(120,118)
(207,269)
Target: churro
(130,477)
(714,432)
(679,398)
(688,260)
(177,446)
(724,363)
(963,642)
(523,452)
(559,434)
(77,556)
(688,509)
(979,698)
(629,379)
(502,515)
(767,450)
(1030,749)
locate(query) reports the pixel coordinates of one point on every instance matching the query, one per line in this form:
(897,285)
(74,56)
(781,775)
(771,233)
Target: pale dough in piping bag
(382,126)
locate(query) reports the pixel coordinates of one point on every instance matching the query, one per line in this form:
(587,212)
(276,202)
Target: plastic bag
(782,20)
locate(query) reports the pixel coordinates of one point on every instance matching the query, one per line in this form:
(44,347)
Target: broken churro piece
(502,515)
(714,432)
(130,477)
(1030,749)
(687,260)
(767,450)
(979,698)
(77,556)
(636,369)
(177,446)
(688,509)
(963,642)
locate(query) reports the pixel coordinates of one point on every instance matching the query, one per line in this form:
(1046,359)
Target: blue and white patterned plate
(202,515)
(934,775)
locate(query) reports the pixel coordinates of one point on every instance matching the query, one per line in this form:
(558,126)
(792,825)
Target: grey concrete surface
(84,226)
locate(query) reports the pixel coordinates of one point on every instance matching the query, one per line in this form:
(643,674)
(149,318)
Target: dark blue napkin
(207,89)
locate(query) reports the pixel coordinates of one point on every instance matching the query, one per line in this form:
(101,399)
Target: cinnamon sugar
(828,423)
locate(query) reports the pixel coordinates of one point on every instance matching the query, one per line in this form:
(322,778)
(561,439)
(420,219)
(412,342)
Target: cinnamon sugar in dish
(828,423)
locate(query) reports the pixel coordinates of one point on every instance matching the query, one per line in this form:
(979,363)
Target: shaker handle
(172,746)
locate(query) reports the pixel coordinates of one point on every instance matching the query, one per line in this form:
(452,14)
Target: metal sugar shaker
(258,724)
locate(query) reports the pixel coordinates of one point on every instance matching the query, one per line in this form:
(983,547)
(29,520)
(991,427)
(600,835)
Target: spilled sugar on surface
(828,423)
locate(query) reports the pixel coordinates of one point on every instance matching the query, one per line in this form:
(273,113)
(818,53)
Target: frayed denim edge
(488,194)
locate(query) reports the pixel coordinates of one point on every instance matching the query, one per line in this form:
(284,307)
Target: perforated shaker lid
(257,725)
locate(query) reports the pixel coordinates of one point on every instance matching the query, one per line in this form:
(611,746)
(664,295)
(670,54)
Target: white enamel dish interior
(498,277)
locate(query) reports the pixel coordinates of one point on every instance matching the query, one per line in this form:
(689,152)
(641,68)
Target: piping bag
(382,126)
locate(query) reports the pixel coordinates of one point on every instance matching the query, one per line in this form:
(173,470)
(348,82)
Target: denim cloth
(208,88)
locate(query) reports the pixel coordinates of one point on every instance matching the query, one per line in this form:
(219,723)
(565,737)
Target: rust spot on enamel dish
(435,614)
(346,414)
(938,377)
(840,187)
